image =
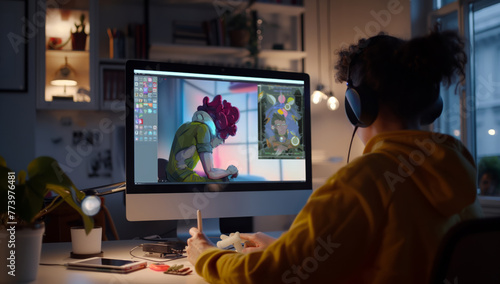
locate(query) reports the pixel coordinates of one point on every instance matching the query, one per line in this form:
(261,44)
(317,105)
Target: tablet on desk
(105,264)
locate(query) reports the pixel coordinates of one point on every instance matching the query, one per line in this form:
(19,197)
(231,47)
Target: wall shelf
(162,51)
(166,52)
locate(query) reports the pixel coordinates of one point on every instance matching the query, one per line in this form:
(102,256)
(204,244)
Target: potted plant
(21,210)
(241,31)
(79,37)
(238,28)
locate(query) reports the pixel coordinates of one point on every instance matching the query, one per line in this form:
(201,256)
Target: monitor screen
(229,141)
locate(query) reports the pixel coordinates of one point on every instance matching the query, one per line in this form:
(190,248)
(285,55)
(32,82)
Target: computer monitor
(175,112)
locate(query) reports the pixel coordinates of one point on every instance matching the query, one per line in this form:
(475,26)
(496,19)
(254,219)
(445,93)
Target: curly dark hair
(404,74)
(223,114)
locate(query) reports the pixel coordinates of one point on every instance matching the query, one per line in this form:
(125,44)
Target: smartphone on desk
(105,264)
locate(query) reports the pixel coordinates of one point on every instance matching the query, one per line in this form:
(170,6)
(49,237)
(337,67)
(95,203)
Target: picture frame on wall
(14,45)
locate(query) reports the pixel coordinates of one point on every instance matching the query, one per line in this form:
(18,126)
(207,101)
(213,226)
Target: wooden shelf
(56,57)
(67,105)
(164,51)
(65,52)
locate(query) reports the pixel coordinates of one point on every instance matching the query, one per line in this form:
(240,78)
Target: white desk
(58,253)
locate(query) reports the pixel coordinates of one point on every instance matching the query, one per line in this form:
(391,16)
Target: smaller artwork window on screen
(280,122)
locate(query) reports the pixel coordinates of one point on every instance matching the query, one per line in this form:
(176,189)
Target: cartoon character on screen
(211,125)
(282,129)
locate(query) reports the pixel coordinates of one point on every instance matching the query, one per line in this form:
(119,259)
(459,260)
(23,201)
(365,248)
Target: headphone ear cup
(432,112)
(361,108)
(352,106)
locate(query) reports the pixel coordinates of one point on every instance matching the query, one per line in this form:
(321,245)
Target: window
(438,4)
(486,42)
(472,113)
(450,121)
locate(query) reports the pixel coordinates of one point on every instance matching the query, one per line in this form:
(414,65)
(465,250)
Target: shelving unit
(293,50)
(112,86)
(79,64)
(59,23)
(94,65)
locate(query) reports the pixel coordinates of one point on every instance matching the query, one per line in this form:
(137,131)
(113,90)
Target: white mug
(86,244)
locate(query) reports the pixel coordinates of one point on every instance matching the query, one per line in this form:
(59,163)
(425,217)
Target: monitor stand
(211,228)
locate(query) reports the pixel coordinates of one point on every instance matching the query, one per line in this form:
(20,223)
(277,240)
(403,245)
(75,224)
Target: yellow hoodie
(377,220)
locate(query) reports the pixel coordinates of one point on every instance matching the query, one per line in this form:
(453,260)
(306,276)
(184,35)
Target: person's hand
(197,244)
(256,242)
(233,171)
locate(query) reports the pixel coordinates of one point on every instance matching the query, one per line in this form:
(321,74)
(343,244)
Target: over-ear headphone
(361,103)
(432,112)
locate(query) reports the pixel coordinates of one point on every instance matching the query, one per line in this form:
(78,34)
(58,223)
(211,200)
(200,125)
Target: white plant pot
(20,249)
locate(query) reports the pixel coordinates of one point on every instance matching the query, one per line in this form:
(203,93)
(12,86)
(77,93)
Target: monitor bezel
(152,188)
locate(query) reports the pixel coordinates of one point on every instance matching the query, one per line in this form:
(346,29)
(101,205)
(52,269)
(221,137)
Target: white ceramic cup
(86,244)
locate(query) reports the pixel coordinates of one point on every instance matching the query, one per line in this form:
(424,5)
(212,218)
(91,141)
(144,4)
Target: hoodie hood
(440,166)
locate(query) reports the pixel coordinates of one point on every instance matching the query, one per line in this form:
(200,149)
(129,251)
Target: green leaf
(44,175)
(21,177)
(47,170)
(44,170)
(29,202)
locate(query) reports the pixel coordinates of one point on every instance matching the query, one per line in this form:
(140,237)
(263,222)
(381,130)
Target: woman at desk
(380,218)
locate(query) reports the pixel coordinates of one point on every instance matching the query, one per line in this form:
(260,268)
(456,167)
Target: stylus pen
(200,225)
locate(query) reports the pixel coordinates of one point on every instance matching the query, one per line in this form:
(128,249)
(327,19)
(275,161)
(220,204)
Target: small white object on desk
(233,239)
(86,245)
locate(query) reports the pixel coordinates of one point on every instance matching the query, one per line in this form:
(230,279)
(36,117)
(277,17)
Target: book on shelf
(116,43)
(131,44)
(113,81)
(139,35)
(215,30)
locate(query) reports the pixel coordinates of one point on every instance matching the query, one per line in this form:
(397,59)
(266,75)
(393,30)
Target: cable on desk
(175,256)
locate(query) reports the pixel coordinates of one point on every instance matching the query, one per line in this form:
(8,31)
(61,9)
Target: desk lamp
(91,204)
